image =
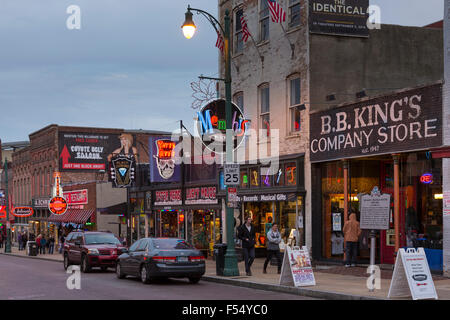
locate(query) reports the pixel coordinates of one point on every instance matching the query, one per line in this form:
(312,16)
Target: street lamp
(231,267)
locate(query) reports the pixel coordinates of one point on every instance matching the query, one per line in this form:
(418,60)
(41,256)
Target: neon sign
(426,178)
(212,124)
(165,149)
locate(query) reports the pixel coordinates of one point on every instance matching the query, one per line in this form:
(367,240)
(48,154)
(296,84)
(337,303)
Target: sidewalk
(332,282)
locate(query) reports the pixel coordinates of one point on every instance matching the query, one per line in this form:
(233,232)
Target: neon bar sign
(426,178)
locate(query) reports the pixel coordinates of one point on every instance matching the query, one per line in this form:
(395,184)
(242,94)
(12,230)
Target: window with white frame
(264,20)
(239,100)
(294,13)
(295,106)
(238,42)
(264,97)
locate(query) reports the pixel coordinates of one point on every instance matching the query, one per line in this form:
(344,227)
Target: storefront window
(205,230)
(244,179)
(254,177)
(262,216)
(266,178)
(290,170)
(278,178)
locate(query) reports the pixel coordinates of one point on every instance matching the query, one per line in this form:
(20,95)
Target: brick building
(81,155)
(285,71)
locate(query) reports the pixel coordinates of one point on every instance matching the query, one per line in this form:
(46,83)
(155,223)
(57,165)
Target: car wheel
(145,277)
(194,279)
(66,261)
(85,267)
(119,273)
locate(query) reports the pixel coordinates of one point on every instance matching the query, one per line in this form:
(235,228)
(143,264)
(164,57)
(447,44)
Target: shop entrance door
(387,237)
(169,223)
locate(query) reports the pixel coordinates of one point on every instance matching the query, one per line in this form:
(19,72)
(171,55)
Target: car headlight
(93,251)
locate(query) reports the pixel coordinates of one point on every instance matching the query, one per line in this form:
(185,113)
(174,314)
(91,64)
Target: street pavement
(332,282)
(35,279)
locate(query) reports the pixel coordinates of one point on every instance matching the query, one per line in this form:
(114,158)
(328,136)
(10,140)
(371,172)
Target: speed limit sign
(231,174)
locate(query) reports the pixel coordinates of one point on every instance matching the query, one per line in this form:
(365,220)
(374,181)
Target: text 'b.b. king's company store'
(388,142)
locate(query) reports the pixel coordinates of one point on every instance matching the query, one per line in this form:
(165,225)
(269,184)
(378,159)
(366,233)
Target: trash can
(32,248)
(219,254)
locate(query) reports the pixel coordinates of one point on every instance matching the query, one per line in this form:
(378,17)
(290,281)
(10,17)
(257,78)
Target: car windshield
(100,238)
(167,244)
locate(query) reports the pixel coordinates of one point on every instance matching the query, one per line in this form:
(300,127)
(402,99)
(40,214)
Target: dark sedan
(151,258)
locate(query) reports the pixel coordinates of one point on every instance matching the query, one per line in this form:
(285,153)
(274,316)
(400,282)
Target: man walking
(246,233)
(273,247)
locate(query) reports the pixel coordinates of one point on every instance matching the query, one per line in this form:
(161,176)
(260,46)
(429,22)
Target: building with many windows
(286,70)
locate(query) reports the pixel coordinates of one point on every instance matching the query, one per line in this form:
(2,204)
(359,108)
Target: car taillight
(164,259)
(197,258)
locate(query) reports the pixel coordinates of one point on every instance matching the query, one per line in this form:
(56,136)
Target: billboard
(162,160)
(339,17)
(405,121)
(84,151)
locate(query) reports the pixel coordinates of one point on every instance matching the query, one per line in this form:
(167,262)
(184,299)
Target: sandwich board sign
(412,276)
(296,269)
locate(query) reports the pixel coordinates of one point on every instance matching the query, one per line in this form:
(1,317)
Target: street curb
(254,285)
(292,290)
(30,257)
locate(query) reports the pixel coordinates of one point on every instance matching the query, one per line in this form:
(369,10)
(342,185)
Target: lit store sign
(426,178)
(409,120)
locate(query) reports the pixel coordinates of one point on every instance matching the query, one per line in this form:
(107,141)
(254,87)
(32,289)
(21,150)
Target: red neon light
(165,149)
(426,178)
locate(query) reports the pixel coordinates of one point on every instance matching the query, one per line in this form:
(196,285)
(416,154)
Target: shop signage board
(76,197)
(412,276)
(162,160)
(122,170)
(168,197)
(201,195)
(84,151)
(375,209)
(40,202)
(22,212)
(343,18)
(58,205)
(263,197)
(231,174)
(211,125)
(296,269)
(405,121)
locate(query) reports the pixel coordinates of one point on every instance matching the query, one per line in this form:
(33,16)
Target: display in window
(291,174)
(254,177)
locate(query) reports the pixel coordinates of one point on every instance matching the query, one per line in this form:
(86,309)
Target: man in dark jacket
(247,234)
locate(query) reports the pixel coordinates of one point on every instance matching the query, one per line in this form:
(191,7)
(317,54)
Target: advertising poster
(337,221)
(162,160)
(297,269)
(92,151)
(412,276)
(339,17)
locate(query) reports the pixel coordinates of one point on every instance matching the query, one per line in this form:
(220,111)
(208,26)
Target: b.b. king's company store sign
(405,121)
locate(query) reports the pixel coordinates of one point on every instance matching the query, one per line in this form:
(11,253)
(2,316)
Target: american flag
(219,42)
(245,31)
(277,12)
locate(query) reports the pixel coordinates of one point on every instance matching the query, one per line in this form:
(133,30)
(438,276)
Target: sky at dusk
(129,65)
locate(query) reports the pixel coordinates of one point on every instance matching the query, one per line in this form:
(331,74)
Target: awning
(78,216)
(117,209)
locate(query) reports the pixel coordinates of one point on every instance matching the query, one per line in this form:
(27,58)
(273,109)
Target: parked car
(151,258)
(91,249)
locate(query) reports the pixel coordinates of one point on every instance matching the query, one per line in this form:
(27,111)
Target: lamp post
(231,267)
(8,225)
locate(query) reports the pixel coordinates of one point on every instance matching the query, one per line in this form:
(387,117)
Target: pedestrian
(24,241)
(1,240)
(62,238)
(247,234)
(43,244)
(19,240)
(352,231)
(273,247)
(38,243)
(51,245)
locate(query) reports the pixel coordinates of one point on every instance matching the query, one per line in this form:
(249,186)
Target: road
(33,279)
